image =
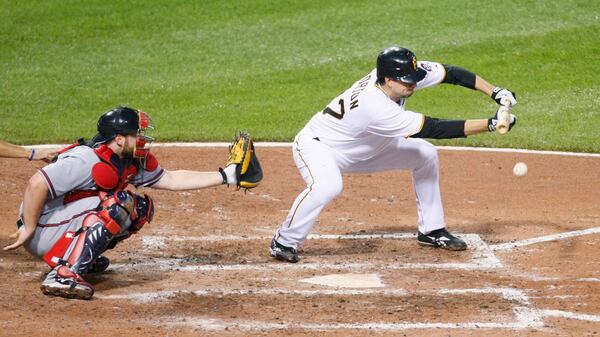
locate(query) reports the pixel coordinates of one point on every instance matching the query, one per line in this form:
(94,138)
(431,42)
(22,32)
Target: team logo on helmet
(414,63)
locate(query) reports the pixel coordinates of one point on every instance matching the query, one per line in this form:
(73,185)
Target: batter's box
(352,252)
(389,309)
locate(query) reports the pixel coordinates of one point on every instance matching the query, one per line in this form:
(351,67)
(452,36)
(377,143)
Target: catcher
(77,207)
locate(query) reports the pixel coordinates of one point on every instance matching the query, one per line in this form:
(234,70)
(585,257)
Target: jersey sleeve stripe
(49,183)
(154,179)
(420,127)
(443,77)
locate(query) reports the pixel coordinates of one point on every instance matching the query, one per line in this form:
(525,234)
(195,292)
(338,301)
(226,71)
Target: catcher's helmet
(119,121)
(125,121)
(399,64)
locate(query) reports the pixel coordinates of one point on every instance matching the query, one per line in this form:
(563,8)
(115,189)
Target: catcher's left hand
(242,168)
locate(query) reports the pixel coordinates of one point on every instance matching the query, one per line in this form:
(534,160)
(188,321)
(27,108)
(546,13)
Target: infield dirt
(162,284)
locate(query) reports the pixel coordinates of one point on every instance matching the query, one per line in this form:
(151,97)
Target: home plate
(347,280)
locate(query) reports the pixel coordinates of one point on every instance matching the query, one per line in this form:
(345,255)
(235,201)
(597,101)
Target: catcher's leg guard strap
(54,256)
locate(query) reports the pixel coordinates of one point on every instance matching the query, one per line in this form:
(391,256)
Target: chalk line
(572,315)
(526,318)
(553,237)
(155,240)
(212,324)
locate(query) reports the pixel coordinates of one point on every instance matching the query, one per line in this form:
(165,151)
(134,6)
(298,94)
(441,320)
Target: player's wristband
(223,175)
(32,155)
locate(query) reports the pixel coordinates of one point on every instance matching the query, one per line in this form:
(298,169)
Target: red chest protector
(107,175)
(110,174)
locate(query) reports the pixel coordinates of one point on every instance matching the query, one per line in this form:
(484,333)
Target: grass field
(208,68)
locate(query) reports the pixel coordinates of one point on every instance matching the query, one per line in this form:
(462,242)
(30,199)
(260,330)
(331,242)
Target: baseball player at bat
(368,129)
(77,207)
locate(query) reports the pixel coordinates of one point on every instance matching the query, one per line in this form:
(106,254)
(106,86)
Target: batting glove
(492,122)
(503,96)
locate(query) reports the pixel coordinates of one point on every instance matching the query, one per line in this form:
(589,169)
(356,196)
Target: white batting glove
(493,122)
(503,96)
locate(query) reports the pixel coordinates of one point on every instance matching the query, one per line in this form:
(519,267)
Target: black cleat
(441,238)
(283,253)
(100,265)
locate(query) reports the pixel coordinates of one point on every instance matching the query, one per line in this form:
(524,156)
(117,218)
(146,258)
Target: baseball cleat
(62,281)
(99,265)
(283,253)
(441,238)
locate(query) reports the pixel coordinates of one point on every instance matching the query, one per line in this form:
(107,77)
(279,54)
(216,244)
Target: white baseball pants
(322,168)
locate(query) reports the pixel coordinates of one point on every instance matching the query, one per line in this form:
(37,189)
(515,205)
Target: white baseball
(520,169)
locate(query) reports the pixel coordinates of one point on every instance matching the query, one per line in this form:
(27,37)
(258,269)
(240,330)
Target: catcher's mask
(399,64)
(126,121)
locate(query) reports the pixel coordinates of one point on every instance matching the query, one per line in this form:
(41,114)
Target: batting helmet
(399,64)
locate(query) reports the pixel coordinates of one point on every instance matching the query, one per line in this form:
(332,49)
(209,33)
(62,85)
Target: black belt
(20,223)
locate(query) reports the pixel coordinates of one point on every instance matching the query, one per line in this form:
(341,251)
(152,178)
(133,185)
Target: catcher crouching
(77,207)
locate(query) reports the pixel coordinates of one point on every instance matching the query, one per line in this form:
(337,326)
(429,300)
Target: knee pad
(144,209)
(129,210)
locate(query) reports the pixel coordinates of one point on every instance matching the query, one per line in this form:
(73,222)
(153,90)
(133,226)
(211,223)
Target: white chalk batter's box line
(526,316)
(482,256)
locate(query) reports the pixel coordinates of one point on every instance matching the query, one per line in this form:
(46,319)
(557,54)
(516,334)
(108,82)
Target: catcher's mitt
(248,172)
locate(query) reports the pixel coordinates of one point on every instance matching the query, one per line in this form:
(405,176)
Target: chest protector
(111,173)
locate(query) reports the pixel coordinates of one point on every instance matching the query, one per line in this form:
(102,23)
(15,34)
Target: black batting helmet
(399,64)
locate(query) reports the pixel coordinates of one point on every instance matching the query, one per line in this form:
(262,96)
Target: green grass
(206,69)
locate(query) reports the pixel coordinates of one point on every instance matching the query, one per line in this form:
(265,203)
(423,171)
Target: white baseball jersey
(363,120)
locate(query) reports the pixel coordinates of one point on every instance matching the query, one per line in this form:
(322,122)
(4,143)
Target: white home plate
(347,280)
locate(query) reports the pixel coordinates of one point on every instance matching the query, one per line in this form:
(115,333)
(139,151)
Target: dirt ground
(202,267)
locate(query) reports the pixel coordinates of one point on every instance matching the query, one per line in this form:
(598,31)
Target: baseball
(520,169)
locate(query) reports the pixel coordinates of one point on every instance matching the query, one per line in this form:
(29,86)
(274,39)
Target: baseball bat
(503,119)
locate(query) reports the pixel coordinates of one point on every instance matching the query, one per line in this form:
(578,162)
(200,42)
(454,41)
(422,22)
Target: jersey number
(335,114)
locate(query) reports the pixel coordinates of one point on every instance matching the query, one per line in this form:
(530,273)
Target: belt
(78,195)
